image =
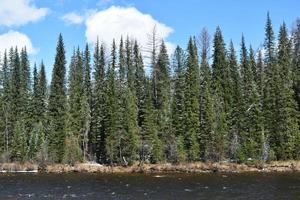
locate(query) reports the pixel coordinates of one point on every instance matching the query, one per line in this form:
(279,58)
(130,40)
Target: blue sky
(38,22)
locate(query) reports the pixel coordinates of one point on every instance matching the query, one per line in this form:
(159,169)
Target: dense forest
(235,105)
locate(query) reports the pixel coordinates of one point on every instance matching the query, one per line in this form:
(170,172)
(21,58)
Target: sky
(36,24)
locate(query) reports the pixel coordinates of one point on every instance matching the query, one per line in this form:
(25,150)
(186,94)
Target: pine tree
(236,117)
(19,142)
(220,95)
(75,92)
(86,102)
(57,104)
(259,78)
(121,87)
(129,64)
(122,61)
(162,98)
(97,136)
(178,102)
(36,140)
(296,62)
(14,62)
(112,109)
(151,148)
(130,140)
(192,115)
(35,96)
(269,98)
(42,94)
(139,82)
(87,74)
(85,114)
(178,110)
(6,106)
(287,117)
(296,71)
(220,71)
(206,104)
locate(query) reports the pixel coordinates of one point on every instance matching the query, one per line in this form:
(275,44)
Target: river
(150,186)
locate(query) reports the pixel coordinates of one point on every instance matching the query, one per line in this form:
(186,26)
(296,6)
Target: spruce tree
(42,94)
(269,96)
(192,115)
(97,136)
(287,117)
(87,74)
(112,109)
(57,104)
(220,91)
(130,139)
(162,98)
(178,102)
(19,147)
(6,106)
(236,117)
(75,92)
(139,82)
(296,62)
(205,100)
(151,148)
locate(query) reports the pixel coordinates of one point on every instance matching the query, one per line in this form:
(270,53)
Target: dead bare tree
(203,42)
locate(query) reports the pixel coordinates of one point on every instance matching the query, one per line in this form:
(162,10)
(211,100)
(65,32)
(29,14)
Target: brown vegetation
(196,167)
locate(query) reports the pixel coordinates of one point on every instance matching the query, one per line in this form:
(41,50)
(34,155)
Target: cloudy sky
(37,23)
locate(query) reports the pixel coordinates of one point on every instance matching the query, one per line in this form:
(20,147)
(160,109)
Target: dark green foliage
(97,135)
(57,104)
(191,106)
(139,82)
(150,145)
(111,114)
(287,114)
(19,151)
(236,116)
(87,73)
(178,109)
(75,93)
(211,110)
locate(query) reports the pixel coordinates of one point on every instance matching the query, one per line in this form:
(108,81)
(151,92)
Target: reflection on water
(151,186)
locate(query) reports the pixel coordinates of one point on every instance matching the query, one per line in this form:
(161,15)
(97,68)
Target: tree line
(189,107)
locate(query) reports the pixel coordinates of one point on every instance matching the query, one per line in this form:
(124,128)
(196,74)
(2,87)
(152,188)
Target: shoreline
(197,167)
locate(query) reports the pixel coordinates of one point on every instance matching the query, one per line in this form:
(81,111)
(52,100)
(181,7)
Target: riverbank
(197,167)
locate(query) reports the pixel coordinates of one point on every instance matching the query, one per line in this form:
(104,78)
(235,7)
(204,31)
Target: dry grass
(196,167)
(18,167)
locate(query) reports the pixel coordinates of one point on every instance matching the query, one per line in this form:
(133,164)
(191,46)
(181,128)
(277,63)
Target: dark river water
(139,186)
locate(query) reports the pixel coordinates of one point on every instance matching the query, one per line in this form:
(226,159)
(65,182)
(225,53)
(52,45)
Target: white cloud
(73,18)
(117,21)
(20,12)
(14,38)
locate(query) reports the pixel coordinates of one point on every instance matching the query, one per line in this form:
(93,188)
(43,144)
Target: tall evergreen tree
(269,98)
(87,74)
(57,104)
(178,102)
(97,137)
(112,109)
(236,116)
(139,82)
(75,92)
(192,115)
(178,110)
(220,91)
(162,98)
(287,117)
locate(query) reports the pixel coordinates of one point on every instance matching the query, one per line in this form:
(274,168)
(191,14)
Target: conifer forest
(122,103)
